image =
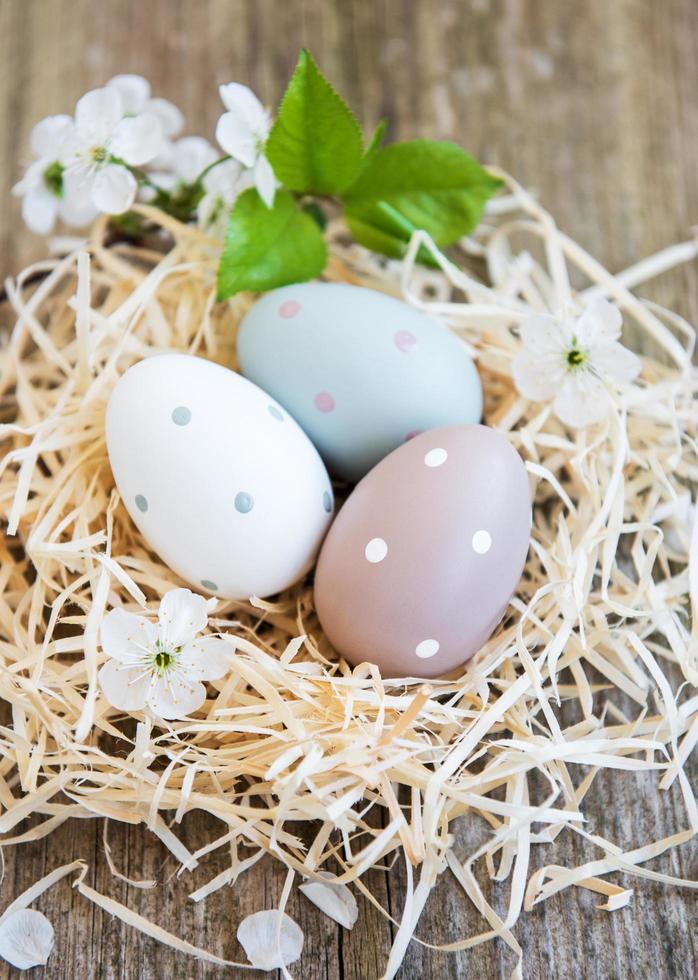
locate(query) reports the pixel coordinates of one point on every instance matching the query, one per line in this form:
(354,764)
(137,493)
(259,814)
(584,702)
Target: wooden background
(594,104)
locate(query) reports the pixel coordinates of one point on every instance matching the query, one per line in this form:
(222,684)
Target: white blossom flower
(26,938)
(568,359)
(222,185)
(161,666)
(47,192)
(134,91)
(182,162)
(242,132)
(104,143)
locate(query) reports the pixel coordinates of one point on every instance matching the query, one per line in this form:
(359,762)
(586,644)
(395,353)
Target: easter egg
(360,371)
(422,559)
(217,476)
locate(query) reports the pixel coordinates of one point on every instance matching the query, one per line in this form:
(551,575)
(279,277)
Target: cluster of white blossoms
(123,144)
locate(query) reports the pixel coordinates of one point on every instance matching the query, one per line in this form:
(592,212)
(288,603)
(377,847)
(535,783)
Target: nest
(601,621)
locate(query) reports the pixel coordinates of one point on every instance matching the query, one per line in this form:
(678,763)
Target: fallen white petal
(26,939)
(271,939)
(334,900)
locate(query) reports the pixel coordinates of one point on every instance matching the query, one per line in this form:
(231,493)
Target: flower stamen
(575,357)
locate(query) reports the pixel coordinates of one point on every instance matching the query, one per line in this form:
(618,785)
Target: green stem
(140,175)
(400,220)
(210,167)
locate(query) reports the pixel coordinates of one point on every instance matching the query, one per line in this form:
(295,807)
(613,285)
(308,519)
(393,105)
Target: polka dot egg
(360,371)
(423,558)
(217,476)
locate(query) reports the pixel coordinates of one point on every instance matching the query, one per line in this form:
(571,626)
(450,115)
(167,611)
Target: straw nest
(602,618)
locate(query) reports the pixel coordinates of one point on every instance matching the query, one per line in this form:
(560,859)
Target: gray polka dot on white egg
(244,502)
(141,503)
(181,415)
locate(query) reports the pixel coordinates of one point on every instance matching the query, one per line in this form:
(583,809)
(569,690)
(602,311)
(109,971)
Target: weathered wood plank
(595,106)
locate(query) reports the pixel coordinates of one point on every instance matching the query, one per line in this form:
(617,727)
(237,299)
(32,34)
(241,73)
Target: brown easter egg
(424,556)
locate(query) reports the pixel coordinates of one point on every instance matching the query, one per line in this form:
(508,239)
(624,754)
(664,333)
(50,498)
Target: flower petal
(76,207)
(98,113)
(114,189)
(39,209)
(224,179)
(241,100)
(264,180)
(133,89)
(582,400)
(33,177)
(235,136)
(124,635)
(174,696)
(271,939)
(125,688)
(534,377)
(182,615)
(138,139)
(207,658)
(617,362)
(335,900)
(192,155)
(599,321)
(48,135)
(26,939)
(542,334)
(171,118)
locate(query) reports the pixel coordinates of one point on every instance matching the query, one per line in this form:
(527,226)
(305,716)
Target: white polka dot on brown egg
(435,457)
(427,649)
(376,550)
(482,542)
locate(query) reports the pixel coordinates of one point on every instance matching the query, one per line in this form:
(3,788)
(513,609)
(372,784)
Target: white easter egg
(219,479)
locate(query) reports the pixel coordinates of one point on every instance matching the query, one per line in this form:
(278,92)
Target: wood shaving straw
(602,618)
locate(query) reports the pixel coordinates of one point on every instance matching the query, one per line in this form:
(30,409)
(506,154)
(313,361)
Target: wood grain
(592,104)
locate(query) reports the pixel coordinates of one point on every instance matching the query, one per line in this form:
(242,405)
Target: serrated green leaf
(269,247)
(315,145)
(376,140)
(424,184)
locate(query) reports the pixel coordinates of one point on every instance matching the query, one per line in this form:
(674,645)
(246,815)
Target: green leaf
(382,229)
(424,184)
(269,247)
(315,145)
(375,141)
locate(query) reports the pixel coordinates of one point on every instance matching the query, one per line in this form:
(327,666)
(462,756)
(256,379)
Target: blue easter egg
(360,371)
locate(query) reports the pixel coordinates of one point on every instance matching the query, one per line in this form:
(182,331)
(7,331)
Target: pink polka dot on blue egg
(360,371)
